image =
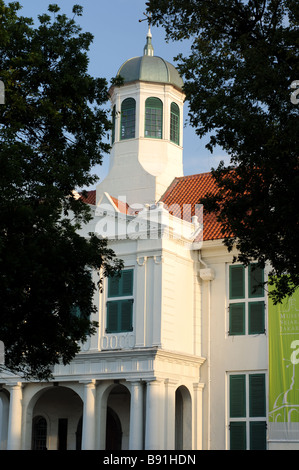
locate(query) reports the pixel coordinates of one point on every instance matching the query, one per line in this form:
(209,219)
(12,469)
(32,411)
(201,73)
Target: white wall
(141,169)
(224,353)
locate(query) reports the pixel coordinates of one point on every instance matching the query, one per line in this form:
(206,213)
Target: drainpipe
(207,274)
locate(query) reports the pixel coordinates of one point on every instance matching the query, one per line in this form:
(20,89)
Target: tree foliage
(52,132)
(243,60)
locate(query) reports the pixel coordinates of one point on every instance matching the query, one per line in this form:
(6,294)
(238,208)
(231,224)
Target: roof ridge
(195,175)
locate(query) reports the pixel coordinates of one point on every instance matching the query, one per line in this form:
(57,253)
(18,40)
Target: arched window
(175,123)
(113,124)
(153,118)
(39,433)
(128,116)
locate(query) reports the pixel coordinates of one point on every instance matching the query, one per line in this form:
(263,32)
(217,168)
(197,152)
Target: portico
(149,412)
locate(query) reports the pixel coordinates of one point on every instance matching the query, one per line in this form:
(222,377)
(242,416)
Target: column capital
(135,381)
(15,385)
(171,382)
(88,382)
(141,260)
(198,386)
(153,381)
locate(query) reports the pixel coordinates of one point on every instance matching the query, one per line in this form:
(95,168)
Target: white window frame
(246,300)
(247,419)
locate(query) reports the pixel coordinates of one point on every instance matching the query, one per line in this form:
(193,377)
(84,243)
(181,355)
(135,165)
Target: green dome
(150,69)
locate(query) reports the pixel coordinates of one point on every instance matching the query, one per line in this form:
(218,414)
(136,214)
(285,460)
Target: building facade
(180,357)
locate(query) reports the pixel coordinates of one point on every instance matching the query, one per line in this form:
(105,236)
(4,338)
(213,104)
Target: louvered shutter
(256,320)
(237,396)
(127,282)
(126,315)
(236,282)
(258,435)
(257,395)
(114,286)
(256,279)
(238,436)
(113,309)
(76,311)
(237,319)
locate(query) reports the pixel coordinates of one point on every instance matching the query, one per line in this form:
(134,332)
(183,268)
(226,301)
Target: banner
(284,369)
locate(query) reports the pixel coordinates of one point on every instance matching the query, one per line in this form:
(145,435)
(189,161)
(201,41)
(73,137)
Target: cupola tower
(147,134)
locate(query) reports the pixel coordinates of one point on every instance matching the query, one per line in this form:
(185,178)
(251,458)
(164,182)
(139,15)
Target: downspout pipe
(207,274)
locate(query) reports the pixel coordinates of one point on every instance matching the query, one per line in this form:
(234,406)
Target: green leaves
(78,10)
(237,81)
(49,96)
(52,133)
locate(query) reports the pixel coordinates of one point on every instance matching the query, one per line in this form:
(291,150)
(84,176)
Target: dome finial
(148,48)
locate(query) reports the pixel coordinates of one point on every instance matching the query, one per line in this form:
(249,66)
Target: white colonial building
(180,358)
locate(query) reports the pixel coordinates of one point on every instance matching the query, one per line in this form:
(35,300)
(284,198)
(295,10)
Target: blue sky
(118,36)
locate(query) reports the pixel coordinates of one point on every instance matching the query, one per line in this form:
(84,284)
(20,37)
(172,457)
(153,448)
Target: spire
(148,48)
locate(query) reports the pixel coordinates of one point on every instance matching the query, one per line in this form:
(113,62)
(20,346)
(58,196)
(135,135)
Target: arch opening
(118,418)
(183,419)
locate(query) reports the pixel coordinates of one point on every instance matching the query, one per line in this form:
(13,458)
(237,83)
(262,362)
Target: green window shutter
(119,316)
(175,123)
(236,282)
(126,315)
(127,282)
(237,394)
(258,435)
(256,320)
(114,286)
(128,117)
(75,311)
(153,118)
(119,286)
(237,436)
(257,395)
(120,311)
(255,281)
(237,319)
(113,309)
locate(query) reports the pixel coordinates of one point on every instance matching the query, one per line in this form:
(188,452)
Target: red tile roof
(121,206)
(185,192)
(90,198)
(181,197)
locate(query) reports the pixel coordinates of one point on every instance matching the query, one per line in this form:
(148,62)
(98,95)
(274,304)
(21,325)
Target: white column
(15,417)
(136,416)
(89,417)
(154,421)
(141,300)
(198,416)
(170,387)
(157,300)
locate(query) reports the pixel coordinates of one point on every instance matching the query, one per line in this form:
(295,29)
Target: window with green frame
(246,300)
(153,118)
(128,118)
(120,302)
(113,124)
(175,123)
(247,411)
